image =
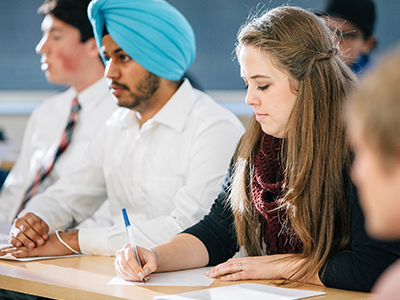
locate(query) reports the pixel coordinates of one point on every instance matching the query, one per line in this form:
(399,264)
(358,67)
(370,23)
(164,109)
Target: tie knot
(75,105)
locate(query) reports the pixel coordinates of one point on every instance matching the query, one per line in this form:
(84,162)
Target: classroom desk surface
(87,277)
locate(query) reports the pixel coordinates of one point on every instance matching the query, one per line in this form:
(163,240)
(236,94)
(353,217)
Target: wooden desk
(87,278)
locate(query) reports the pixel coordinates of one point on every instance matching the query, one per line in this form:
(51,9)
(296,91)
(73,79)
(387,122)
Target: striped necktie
(48,165)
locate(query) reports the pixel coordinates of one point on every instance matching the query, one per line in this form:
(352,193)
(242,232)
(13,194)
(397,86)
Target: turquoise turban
(152,32)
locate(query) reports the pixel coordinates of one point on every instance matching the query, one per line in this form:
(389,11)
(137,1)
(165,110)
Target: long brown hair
(315,151)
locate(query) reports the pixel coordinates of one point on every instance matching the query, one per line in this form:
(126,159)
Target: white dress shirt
(166,173)
(42,134)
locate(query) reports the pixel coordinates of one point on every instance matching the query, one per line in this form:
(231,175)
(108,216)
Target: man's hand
(52,247)
(29,230)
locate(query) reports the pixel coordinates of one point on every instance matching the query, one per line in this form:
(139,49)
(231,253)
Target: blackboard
(215,23)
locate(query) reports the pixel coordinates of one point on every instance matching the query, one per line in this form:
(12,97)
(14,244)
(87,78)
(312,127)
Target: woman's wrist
(155,251)
(285,265)
(288,267)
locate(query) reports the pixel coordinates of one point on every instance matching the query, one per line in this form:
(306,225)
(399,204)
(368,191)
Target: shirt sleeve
(16,183)
(191,202)
(216,230)
(107,241)
(360,266)
(74,197)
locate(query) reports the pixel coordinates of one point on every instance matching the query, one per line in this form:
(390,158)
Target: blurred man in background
(69,57)
(352,24)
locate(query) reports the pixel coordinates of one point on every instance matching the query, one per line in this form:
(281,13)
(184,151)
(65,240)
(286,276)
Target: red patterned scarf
(267,184)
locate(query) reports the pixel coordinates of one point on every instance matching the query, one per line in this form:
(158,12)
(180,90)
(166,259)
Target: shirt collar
(175,112)
(93,95)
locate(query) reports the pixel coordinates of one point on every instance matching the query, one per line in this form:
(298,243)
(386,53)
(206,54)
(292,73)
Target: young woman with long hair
(287,200)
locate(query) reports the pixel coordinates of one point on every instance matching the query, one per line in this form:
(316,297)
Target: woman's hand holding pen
(29,231)
(129,269)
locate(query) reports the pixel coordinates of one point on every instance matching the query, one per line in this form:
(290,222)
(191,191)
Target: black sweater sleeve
(216,230)
(366,259)
(355,269)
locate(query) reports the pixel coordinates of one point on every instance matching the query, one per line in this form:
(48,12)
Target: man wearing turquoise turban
(153,33)
(162,155)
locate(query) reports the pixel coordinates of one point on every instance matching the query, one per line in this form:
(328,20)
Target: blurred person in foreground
(373,119)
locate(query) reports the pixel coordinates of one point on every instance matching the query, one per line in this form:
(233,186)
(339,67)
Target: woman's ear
(294,85)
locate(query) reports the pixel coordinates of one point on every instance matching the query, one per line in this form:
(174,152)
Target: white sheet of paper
(10,257)
(192,277)
(243,291)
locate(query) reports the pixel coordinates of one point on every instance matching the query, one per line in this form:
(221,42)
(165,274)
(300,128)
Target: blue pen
(130,235)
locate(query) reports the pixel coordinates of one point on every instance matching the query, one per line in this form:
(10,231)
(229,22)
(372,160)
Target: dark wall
(215,23)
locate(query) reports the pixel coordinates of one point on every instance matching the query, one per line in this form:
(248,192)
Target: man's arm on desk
(52,247)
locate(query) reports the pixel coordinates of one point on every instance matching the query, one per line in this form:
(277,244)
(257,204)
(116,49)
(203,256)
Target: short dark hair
(72,12)
(361,13)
